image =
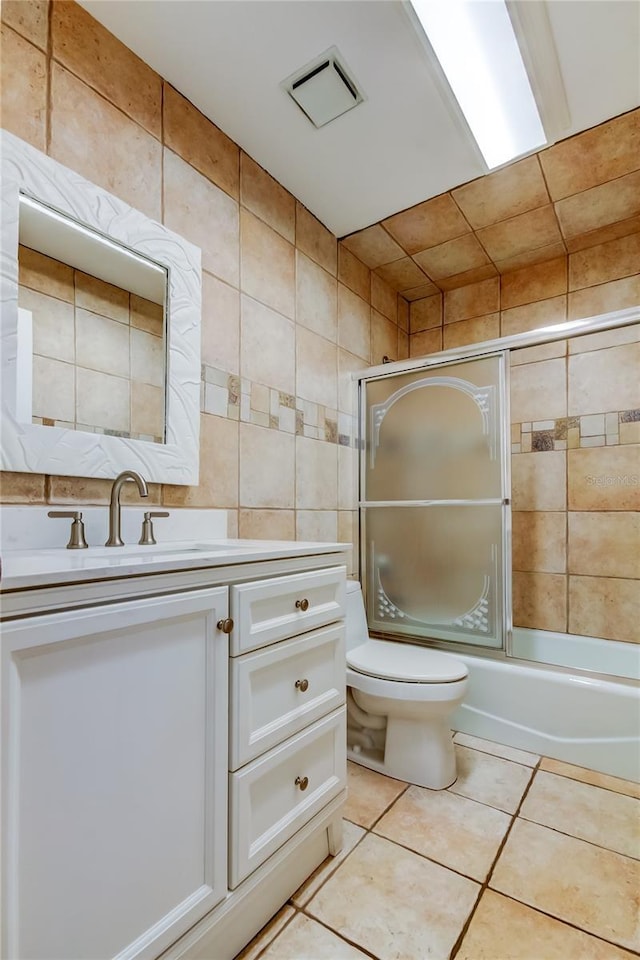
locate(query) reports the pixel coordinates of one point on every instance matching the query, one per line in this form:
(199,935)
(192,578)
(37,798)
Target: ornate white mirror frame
(32,448)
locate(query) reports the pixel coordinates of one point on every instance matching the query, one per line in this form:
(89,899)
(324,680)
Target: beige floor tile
(581,810)
(497,749)
(592,888)
(454,831)
(267,934)
(492,780)
(304,939)
(370,794)
(395,903)
(352,835)
(629,787)
(504,929)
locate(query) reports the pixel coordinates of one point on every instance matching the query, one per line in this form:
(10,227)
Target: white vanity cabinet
(167,786)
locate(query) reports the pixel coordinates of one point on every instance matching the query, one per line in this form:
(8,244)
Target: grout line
(518,763)
(567,776)
(353,943)
(262,952)
(572,836)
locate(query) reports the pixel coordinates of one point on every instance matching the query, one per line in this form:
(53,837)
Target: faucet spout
(115,539)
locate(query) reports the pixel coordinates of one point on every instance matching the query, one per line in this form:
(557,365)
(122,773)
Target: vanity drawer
(278,691)
(265,611)
(267,806)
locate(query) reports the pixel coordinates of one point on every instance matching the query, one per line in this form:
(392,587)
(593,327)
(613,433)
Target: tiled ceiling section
(578,193)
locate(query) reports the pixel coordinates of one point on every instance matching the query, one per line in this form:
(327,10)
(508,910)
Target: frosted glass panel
(434,434)
(436,571)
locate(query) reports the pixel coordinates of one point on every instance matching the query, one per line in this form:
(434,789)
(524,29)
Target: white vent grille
(324,89)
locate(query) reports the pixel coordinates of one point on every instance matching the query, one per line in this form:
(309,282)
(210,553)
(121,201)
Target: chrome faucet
(115,540)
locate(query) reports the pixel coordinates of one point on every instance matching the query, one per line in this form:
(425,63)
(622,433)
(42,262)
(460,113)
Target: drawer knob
(302,604)
(302,685)
(225,625)
(302,782)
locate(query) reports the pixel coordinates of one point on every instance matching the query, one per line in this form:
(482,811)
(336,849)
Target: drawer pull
(225,625)
(302,605)
(302,685)
(302,782)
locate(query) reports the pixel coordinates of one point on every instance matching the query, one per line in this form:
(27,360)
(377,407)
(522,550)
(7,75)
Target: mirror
(100,330)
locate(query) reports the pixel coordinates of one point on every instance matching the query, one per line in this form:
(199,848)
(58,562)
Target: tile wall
(288,312)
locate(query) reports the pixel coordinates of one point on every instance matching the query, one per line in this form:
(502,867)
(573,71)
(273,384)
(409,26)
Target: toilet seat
(405,663)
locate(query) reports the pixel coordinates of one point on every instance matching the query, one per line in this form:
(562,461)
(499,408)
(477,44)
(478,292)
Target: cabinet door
(114,749)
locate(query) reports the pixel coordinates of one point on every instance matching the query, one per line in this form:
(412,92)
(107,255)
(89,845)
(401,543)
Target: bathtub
(584,720)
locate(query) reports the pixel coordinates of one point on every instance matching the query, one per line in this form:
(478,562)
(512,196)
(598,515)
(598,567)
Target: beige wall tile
(52,325)
(353,323)
(220,324)
(471,331)
(604,607)
(427,224)
(193,137)
(24,88)
(538,481)
(515,189)
(147,409)
(384,338)
(428,289)
(267,353)
(542,281)
(99,142)
(595,156)
(453,257)
(403,314)
(475,275)
(550,251)
(87,49)
(316,298)
(320,525)
(146,315)
(265,197)
(204,214)
(316,474)
(474,300)
(348,363)
(384,298)
(606,297)
(545,351)
(373,246)
(600,206)
(44,274)
(601,478)
(608,261)
(530,316)
(267,524)
(315,240)
(267,467)
(540,601)
(147,358)
(402,274)
(425,314)
(353,273)
(316,369)
(268,265)
(606,338)
(103,344)
(622,228)
(53,389)
(102,400)
(605,380)
(30,20)
(348,533)
(21,487)
(403,345)
(537,228)
(347,478)
(539,391)
(101,298)
(218,482)
(90,490)
(539,542)
(429,341)
(605,544)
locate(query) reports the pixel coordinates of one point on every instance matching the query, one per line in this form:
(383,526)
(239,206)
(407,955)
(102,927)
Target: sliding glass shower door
(434,509)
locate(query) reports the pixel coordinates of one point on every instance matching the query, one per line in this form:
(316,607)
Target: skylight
(478,51)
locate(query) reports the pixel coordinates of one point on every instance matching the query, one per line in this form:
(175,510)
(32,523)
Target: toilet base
(423,755)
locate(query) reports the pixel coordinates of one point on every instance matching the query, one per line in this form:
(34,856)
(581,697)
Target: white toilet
(399,700)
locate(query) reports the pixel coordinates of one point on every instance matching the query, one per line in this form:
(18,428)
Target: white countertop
(24,569)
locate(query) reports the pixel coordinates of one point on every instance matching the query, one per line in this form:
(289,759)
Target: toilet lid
(405,661)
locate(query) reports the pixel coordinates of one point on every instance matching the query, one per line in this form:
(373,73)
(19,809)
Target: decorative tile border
(571,433)
(226,395)
(88,428)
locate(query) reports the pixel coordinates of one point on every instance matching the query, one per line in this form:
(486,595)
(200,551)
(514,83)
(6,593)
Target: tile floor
(522,858)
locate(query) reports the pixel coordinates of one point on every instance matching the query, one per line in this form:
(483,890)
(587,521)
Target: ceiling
(407,141)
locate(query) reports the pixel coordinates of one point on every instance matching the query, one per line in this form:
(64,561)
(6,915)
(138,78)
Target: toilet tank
(356,619)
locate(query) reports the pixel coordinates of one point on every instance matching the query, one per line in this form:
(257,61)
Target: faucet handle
(77,539)
(147,537)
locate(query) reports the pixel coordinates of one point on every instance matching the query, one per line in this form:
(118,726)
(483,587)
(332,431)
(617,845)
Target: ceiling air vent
(324,89)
